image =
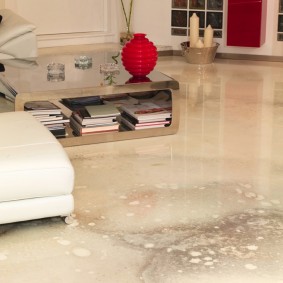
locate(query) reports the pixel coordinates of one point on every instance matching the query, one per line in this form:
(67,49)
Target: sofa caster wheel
(69,219)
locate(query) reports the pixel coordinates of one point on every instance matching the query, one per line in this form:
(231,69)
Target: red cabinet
(246,23)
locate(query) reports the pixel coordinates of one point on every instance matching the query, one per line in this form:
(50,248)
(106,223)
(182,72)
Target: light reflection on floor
(204,205)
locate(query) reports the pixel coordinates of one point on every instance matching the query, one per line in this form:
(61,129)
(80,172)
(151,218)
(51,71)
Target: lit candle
(194,29)
(199,44)
(208,36)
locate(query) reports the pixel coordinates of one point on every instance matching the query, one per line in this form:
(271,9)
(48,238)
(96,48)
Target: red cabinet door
(246,22)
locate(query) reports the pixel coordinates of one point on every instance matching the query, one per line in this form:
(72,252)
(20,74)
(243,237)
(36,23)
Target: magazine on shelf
(50,115)
(45,118)
(81,130)
(94,133)
(56,126)
(46,112)
(134,121)
(79,102)
(56,121)
(42,108)
(146,111)
(58,130)
(59,133)
(142,126)
(167,105)
(119,100)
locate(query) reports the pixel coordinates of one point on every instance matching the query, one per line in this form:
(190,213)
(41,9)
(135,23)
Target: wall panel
(69,21)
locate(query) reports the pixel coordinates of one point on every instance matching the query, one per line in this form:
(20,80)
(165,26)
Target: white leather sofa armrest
(13,25)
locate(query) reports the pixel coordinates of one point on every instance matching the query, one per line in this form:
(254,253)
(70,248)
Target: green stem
(130,16)
(114,57)
(124,12)
(127,19)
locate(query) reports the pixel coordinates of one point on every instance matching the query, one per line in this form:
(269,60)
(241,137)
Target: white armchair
(17,37)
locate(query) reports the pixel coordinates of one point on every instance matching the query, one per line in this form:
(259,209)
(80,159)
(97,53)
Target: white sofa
(17,37)
(36,175)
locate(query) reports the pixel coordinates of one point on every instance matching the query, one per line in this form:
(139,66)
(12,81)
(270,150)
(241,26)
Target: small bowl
(194,55)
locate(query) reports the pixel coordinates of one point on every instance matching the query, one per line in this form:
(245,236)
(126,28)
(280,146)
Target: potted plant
(126,36)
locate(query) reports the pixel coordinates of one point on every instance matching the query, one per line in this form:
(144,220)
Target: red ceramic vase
(139,56)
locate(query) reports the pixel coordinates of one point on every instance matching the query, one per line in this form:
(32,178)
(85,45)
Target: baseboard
(233,56)
(250,57)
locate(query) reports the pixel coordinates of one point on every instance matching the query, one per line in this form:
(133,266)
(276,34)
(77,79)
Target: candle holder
(55,72)
(200,56)
(83,62)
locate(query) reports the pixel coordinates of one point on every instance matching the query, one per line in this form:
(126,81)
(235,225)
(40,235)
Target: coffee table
(29,79)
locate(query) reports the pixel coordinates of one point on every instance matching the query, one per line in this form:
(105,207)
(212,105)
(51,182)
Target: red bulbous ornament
(139,56)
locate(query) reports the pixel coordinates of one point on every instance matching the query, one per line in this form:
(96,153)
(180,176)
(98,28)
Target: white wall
(154,19)
(98,21)
(69,22)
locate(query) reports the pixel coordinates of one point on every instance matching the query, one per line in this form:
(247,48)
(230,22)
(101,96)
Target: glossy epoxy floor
(204,205)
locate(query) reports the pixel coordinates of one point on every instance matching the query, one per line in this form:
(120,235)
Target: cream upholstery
(36,175)
(17,37)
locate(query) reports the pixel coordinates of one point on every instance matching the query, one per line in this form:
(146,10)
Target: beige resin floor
(204,205)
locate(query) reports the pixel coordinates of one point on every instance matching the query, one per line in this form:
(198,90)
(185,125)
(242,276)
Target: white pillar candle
(208,36)
(194,29)
(199,44)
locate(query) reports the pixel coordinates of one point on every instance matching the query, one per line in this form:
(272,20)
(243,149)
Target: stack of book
(50,115)
(145,115)
(94,119)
